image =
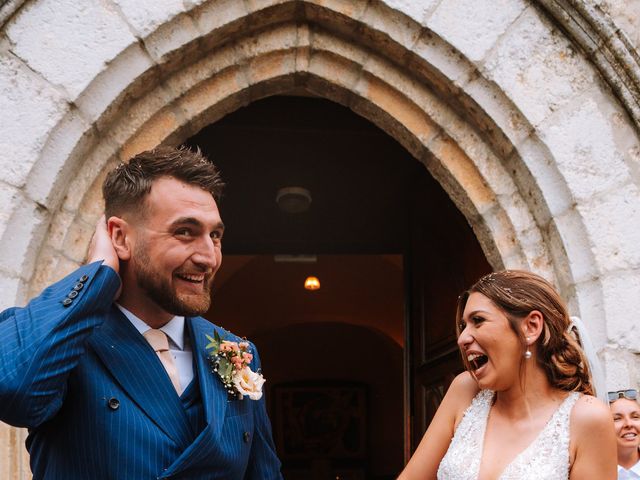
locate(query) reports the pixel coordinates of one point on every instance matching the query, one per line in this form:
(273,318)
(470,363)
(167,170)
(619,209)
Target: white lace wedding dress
(546,458)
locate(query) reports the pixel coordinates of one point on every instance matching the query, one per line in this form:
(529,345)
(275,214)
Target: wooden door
(444,259)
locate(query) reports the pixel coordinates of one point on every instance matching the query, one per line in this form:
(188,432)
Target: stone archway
(516,125)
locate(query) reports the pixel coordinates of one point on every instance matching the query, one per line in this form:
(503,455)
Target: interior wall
(329,351)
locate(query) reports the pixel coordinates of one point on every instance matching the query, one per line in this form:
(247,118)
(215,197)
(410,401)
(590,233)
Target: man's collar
(174,329)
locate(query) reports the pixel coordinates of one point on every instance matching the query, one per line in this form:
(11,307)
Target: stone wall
(518,123)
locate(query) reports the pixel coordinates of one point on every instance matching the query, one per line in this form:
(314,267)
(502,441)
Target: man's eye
(216,235)
(183,232)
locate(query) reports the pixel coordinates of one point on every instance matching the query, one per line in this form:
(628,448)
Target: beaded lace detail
(546,458)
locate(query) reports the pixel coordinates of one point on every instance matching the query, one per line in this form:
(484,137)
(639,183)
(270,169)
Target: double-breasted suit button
(113,403)
(84,278)
(66,302)
(246,436)
(72,294)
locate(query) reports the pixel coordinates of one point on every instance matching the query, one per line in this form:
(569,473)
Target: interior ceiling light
(293,199)
(312,283)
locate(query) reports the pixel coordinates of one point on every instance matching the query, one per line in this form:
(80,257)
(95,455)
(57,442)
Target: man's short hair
(126,186)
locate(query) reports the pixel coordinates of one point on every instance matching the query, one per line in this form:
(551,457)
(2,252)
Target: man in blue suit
(81,366)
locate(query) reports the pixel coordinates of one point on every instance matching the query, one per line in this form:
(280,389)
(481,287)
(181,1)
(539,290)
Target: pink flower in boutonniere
(230,360)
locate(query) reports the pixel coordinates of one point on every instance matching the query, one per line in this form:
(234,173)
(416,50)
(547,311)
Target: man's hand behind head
(101,247)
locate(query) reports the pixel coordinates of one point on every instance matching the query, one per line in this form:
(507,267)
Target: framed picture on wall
(327,420)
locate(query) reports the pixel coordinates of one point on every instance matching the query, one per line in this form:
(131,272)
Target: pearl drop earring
(527,354)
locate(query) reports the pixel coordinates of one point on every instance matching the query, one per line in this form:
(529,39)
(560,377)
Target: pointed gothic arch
(519,162)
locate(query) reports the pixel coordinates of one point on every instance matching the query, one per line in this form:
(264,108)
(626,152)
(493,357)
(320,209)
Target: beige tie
(160,343)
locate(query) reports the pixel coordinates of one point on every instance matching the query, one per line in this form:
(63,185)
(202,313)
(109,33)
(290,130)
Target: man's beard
(159,289)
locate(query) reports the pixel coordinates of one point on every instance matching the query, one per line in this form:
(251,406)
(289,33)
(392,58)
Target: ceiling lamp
(293,199)
(312,283)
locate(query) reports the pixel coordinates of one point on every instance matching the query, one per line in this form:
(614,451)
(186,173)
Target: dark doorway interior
(392,253)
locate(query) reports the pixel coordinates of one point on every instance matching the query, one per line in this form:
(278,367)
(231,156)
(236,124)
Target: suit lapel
(214,399)
(136,367)
(214,396)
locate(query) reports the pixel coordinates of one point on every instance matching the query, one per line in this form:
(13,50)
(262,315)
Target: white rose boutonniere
(230,361)
(248,382)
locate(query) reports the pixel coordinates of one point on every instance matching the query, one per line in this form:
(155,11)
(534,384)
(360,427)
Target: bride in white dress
(525,408)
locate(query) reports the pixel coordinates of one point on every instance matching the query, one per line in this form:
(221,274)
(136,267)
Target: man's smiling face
(177,248)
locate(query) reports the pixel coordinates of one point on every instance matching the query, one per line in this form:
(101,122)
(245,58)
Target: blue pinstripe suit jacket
(99,404)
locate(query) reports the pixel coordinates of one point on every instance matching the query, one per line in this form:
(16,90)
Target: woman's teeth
(477,360)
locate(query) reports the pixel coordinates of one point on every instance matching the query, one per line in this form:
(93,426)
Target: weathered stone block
(537,67)
(147,15)
(76,241)
(131,120)
(113,82)
(497,113)
(622,368)
(474,27)
(400,29)
(22,238)
(444,59)
(210,65)
(626,16)
(213,15)
(168,39)
(58,229)
(582,142)
(539,180)
(11,289)
(348,8)
(92,172)
(568,234)
(30,109)
(208,93)
(612,221)
(416,10)
(10,198)
(270,66)
(586,302)
(278,38)
(80,37)
(621,289)
(151,134)
(49,176)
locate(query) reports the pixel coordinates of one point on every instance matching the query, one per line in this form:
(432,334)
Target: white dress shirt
(179,343)
(632,474)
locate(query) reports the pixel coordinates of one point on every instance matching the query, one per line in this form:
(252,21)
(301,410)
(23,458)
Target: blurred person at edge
(626,419)
(525,408)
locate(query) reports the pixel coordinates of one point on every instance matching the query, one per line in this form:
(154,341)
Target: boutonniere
(231,360)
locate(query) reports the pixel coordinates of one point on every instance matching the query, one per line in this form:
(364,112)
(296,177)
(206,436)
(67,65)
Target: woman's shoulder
(464,383)
(593,442)
(589,415)
(462,391)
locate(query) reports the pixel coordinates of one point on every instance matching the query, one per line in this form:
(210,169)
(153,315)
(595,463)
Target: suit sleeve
(263,460)
(40,344)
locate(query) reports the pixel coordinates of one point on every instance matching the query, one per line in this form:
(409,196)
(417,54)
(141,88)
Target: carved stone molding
(593,31)
(7,9)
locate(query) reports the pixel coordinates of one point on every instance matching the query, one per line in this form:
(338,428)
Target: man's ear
(532,325)
(121,233)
